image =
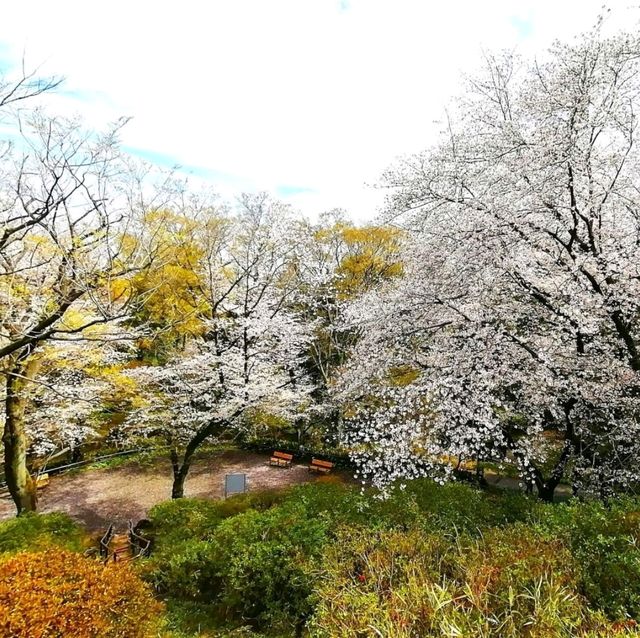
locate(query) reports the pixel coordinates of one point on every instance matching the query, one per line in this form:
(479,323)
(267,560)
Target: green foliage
(252,564)
(605,543)
(265,423)
(264,561)
(185,519)
(455,506)
(39,532)
(186,619)
(436,560)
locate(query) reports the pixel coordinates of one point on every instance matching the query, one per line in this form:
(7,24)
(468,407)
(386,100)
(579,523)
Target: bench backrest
(321,463)
(283,455)
(42,479)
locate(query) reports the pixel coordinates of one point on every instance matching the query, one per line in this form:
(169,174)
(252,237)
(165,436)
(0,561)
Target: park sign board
(235,484)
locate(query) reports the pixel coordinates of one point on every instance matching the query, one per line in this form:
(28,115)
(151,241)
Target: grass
(38,532)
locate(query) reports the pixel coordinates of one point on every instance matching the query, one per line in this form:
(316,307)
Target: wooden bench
(318,465)
(281,459)
(42,480)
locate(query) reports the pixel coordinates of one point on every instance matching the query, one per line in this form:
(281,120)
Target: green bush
(605,543)
(186,619)
(491,560)
(254,565)
(177,521)
(456,506)
(264,564)
(38,532)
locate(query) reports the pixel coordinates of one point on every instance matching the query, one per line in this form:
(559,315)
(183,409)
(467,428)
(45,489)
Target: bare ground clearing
(101,496)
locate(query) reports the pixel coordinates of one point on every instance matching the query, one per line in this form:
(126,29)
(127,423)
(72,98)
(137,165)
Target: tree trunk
(21,485)
(180,472)
(177,489)
(546,492)
(546,487)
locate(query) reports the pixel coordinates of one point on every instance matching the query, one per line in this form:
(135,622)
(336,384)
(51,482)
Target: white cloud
(316,94)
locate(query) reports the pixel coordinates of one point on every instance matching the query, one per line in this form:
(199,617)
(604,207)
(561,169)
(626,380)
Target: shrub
(61,593)
(186,619)
(512,583)
(422,503)
(264,561)
(463,507)
(491,560)
(173,522)
(254,565)
(35,532)
(604,541)
(178,521)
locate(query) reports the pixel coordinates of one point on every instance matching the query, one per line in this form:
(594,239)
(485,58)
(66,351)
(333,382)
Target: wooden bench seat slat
(318,465)
(281,459)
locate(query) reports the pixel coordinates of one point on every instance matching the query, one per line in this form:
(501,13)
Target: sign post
(235,484)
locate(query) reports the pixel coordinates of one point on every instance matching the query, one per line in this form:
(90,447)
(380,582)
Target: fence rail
(104,543)
(69,466)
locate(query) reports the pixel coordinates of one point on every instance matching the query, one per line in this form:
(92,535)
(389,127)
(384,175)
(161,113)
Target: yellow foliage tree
(169,299)
(370,257)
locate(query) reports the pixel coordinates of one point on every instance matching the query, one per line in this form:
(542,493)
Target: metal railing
(69,466)
(104,543)
(140,546)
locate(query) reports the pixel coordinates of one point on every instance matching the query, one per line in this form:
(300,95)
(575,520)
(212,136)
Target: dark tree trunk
(21,485)
(180,471)
(546,487)
(546,492)
(177,489)
(181,466)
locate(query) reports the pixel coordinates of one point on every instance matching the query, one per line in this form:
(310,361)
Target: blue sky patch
(523,26)
(287,191)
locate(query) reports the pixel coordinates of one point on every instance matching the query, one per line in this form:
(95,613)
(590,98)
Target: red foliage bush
(61,593)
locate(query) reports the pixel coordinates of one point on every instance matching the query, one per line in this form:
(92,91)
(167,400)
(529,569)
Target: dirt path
(99,497)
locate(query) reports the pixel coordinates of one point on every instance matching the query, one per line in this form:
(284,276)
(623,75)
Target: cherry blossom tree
(67,403)
(514,333)
(208,392)
(335,262)
(249,355)
(66,250)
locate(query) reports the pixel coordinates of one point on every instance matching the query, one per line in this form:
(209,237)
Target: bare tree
(66,247)
(28,85)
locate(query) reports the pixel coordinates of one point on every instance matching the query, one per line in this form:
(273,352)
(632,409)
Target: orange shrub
(60,593)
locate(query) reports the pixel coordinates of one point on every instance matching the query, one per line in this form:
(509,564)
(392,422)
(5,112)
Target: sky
(308,99)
